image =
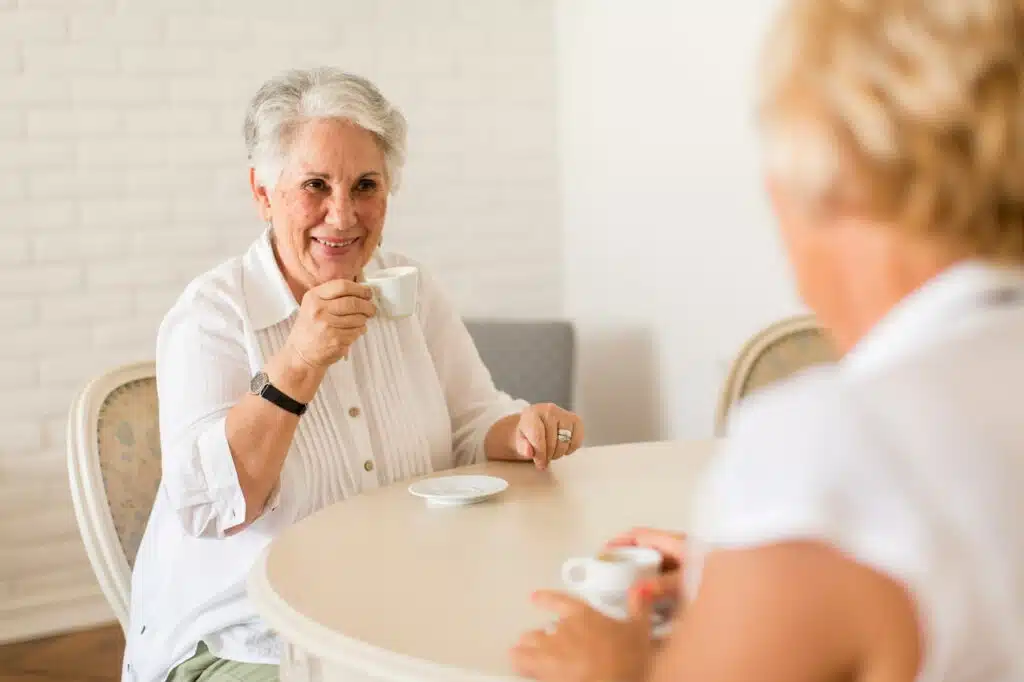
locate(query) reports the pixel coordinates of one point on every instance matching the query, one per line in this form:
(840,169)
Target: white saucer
(452,491)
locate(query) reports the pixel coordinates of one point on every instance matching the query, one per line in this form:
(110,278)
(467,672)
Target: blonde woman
(862,522)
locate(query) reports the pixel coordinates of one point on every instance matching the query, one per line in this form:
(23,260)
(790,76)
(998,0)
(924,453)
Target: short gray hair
(284,102)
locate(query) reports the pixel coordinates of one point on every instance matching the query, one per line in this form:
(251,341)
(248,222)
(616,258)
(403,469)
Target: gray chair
(529,359)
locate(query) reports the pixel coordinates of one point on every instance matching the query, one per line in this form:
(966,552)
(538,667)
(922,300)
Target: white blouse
(908,456)
(413,397)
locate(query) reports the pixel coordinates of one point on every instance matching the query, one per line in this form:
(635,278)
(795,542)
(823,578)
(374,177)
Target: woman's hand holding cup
(667,585)
(331,318)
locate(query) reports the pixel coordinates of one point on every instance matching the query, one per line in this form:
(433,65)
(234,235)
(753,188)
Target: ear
(260,195)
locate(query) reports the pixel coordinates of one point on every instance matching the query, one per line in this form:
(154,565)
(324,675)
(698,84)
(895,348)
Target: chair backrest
(532,360)
(775,353)
(114,472)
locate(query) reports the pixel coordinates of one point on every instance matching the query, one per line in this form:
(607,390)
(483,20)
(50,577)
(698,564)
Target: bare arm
(794,612)
(260,433)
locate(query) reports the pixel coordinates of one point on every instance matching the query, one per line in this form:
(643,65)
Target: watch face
(259,382)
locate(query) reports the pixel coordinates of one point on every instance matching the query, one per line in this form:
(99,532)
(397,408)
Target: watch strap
(285,402)
(263,388)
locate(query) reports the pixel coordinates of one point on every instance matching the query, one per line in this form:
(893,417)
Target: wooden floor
(88,656)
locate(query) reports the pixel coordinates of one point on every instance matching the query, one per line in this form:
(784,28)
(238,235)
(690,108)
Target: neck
(871,284)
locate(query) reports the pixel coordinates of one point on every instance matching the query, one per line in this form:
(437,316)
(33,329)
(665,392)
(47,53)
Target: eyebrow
(327,176)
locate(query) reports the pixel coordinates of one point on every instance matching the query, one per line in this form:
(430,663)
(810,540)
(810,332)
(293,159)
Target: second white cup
(609,575)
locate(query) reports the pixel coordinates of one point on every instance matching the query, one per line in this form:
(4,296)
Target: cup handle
(574,572)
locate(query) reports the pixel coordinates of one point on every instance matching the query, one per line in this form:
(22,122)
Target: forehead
(335,145)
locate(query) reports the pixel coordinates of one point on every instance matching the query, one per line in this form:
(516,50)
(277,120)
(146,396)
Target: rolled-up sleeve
(202,370)
(474,403)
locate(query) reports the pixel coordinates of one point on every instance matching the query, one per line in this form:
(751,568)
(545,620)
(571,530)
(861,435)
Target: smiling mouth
(332,244)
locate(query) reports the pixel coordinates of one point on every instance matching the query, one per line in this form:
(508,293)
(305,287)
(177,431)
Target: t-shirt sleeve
(804,463)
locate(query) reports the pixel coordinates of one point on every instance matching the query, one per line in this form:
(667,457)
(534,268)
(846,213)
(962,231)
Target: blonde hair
(909,110)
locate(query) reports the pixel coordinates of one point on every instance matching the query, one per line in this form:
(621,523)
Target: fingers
(640,604)
(541,424)
(342,288)
(532,656)
(346,322)
(531,639)
(550,419)
(349,305)
(558,602)
(531,427)
(567,421)
(523,447)
(670,545)
(561,446)
(665,586)
(577,436)
(628,538)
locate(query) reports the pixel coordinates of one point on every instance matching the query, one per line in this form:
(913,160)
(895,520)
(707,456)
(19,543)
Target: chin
(347,269)
(326,275)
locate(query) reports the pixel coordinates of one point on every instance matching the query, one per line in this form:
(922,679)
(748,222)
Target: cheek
(300,211)
(372,211)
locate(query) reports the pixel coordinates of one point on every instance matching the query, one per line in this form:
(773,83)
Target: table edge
(313,638)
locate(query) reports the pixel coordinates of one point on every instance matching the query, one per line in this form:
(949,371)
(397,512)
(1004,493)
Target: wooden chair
(114,471)
(775,353)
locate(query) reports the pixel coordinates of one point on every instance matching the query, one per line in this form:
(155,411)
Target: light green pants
(205,667)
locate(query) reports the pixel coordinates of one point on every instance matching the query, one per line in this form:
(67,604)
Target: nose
(341,210)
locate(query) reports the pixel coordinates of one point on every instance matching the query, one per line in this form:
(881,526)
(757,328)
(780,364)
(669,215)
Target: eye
(316,185)
(366,185)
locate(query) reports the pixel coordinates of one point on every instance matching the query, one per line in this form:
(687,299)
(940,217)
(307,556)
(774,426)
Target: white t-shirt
(908,456)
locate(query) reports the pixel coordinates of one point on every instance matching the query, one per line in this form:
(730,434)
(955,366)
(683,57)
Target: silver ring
(565,435)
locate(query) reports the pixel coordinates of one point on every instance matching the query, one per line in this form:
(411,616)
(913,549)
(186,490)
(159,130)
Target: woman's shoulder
(808,405)
(216,293)
(792,450)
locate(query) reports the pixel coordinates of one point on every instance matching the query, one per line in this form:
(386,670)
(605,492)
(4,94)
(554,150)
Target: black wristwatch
(261,386)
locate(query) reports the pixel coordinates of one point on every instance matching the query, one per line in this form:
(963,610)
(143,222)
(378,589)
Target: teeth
(335,245)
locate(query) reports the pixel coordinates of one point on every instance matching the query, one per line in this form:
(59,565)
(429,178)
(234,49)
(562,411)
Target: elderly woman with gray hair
(283,389)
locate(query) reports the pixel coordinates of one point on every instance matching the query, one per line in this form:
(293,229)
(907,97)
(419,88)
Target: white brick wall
(122,176)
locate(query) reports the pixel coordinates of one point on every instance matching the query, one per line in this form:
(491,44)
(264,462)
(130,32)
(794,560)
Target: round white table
(383,587)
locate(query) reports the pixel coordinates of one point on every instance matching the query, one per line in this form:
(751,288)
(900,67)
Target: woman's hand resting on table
(586,646)
(545,432)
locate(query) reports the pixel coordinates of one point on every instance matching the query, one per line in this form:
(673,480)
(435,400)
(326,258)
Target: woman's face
(329,204)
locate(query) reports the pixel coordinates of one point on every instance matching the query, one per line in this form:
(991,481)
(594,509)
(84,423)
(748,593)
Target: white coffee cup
(394,290)
(608,576)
